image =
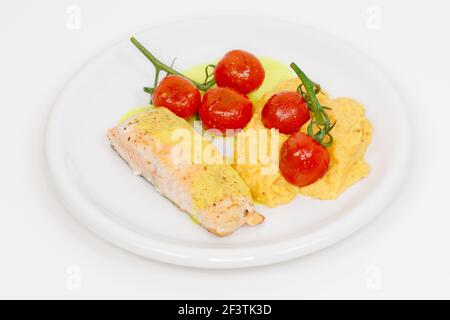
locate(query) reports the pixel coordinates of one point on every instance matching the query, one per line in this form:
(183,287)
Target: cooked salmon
(214,195)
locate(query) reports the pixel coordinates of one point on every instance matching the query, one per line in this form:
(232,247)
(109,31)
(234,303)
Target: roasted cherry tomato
(303,160)
(239,70)
(285,111)
(225,108)
(178,95)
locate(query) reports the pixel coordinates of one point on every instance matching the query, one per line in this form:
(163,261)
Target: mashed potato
(352,134)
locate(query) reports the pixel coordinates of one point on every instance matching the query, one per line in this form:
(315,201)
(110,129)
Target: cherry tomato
(178,95)
(239,70)
(225,108)
(303,160)
(285,111)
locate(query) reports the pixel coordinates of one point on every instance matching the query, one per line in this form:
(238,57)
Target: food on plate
(239,70)
(286,111)
(289,138)
(352,134)
(213,195)
(303,160)
(225,108)
(177,94)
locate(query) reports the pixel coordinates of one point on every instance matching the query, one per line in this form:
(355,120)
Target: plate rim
(206,257)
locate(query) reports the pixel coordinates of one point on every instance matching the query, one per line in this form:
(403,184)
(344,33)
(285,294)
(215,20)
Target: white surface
(101,191)
(402,254)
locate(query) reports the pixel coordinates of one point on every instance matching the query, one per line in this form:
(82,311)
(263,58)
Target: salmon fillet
(214,195)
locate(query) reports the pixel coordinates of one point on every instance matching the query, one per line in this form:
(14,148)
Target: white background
(45,253)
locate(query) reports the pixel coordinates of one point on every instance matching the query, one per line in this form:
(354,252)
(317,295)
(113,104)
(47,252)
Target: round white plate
(101,191)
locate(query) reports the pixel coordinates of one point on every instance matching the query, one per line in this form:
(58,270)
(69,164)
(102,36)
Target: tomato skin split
(239,70)
(225,108)
(303,160)
(177,94)
(286,111)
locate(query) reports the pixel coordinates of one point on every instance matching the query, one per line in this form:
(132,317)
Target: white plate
(100,190)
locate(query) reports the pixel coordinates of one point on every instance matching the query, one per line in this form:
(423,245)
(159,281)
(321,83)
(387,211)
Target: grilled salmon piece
(214,195)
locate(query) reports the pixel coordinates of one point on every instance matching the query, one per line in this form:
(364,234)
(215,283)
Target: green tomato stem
(160,66)
(320,117)
(149,90)
(309,86)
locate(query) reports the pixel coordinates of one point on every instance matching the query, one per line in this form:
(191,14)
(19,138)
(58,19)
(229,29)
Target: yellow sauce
(228,183)
(276,72)
(210,183)
(197,73)
(133,112)
(160,124)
